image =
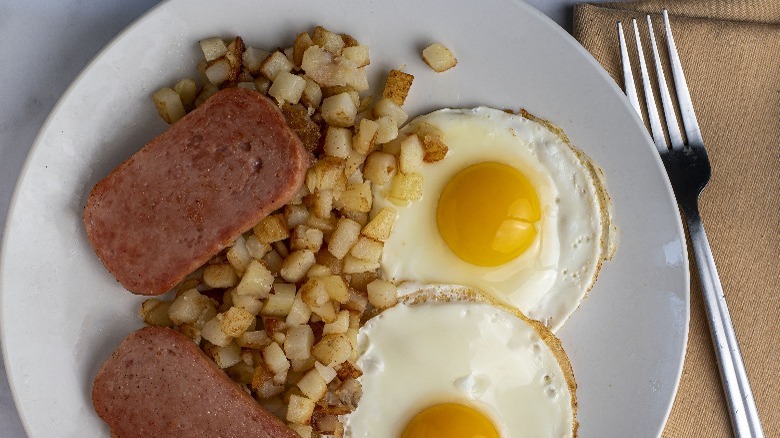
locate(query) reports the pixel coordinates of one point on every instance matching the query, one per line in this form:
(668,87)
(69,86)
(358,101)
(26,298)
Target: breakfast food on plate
(439,57)
(160,384)
(193,190)
(449,361)
(514,210)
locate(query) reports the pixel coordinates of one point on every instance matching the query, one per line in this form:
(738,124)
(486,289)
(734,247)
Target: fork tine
(675,138)
(690,123)
(628,76)
(652,111)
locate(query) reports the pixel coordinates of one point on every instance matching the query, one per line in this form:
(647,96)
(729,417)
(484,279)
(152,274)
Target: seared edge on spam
(193,189)
(158,383)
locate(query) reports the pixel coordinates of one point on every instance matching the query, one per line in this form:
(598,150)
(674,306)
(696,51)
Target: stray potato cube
(274,64)
(312,385)
(235,321)
(257,280)
(387,131)
(213,48)
(365,138)
(275,359)
(380,167)
(220,275)
(295,215)
(287,87)
(299,409)
(410,158)
(397,86)
(280,301)
(187,89)
(367,249)
(439,58)
(407,187)
(298,342)
(344,236)
(169,104)
(382,293)
(295,266)
(358,54)
(271,229)
(388,107)
(339,110)
(332,349)
(380,227)
(356,198)
(354,265)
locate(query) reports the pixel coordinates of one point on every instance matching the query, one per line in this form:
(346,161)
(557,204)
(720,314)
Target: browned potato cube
(332,349)
(380,227)
(220,275)
(365,138)
(388,129)
(256,339)
(275,359)
(300,312)
(339,110)
(410,158)
(295,266)
(388,107)
(331,42)
(336,288)
(212,332)
(155,312)
(380,167)
(304,237)
(338,142)
(257,280)
(235,321)
(299,409)
(271,229)
(397,86)
(253,58)
(312,385)
(313,292)
(356,198)
(344,236)
(353,265)
(302,42)
(340,325)
(280,301)
(367,249)
(358,54)
(187,89)
(287,87)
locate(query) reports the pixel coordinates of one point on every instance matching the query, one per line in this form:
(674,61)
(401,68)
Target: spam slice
(158,383)
(193,189)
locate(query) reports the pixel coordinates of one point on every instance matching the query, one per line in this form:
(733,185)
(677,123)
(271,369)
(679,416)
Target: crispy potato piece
(407,187)
(299,409)
(397,86)
(381,225)
(439,58)
(271,229)
(220,275)
(388,107)
(312,385)
(155,312)
(432,141)
(300,122)
(302,42)
(169,104)
(235,321)
(363,141)
(331,42)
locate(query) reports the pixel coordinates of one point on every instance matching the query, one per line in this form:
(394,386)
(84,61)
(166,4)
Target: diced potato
(380,167)
(388,107)
(187,89)
(273,261)
(274,64)
(326,312)
(253,58)
(302,42)
(257,281)
(187,307)
(256,339)
(320,203)
(301,366)
(238,255)
(340,325)
(207,91)
(439,58)
(213,48)
(326,225)
(227,356)
(287,87)
(382,293)
(249,303)
(318,271)
(295,215)
(235,321)
(363,142)
(367,249)
(275,359)
(352,164)
(312,385)
(336,288)
(262,84)
(299,409)
(388,129)
(255,248)
(299,313)
(354,265)
(433,142)
(380,227)
(304,431)
(357,198)
(298,342)
(331,42)
(344,236)
(155,312)
(213,333)
(324,69)
(358,54)
(313,293)
(234,55)
(280,301)
(358,81)
(271,229)
(312,94)
(304,237)
(218,71)
(169,104)
(410,158)
(326,174)
(329,425)
(339,110)
(295,266)
(407,187)
(338,142)
(397,86)
(332,349)
(220,275)
(328,373)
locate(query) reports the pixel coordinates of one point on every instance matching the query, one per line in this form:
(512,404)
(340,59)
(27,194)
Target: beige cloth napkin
(730,50)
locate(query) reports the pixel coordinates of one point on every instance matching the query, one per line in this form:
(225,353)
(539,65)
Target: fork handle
(742,406)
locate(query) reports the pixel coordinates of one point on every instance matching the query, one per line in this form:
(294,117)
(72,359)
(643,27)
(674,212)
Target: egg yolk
(450,420)
(487,214)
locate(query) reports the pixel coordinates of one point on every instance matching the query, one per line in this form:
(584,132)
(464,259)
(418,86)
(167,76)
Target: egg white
(548,281)
(450,344)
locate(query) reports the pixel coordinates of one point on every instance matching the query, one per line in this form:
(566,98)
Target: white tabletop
(44,47)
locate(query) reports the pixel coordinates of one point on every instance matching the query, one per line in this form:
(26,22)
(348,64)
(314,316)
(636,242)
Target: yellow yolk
(450,420)
(487,214)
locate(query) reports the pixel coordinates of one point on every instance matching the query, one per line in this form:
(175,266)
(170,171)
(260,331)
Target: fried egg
(513,210)
(450,361)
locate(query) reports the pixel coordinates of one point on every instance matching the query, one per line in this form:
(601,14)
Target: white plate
(63,313)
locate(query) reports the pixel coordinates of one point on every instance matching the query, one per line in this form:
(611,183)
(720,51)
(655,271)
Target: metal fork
(689,172)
